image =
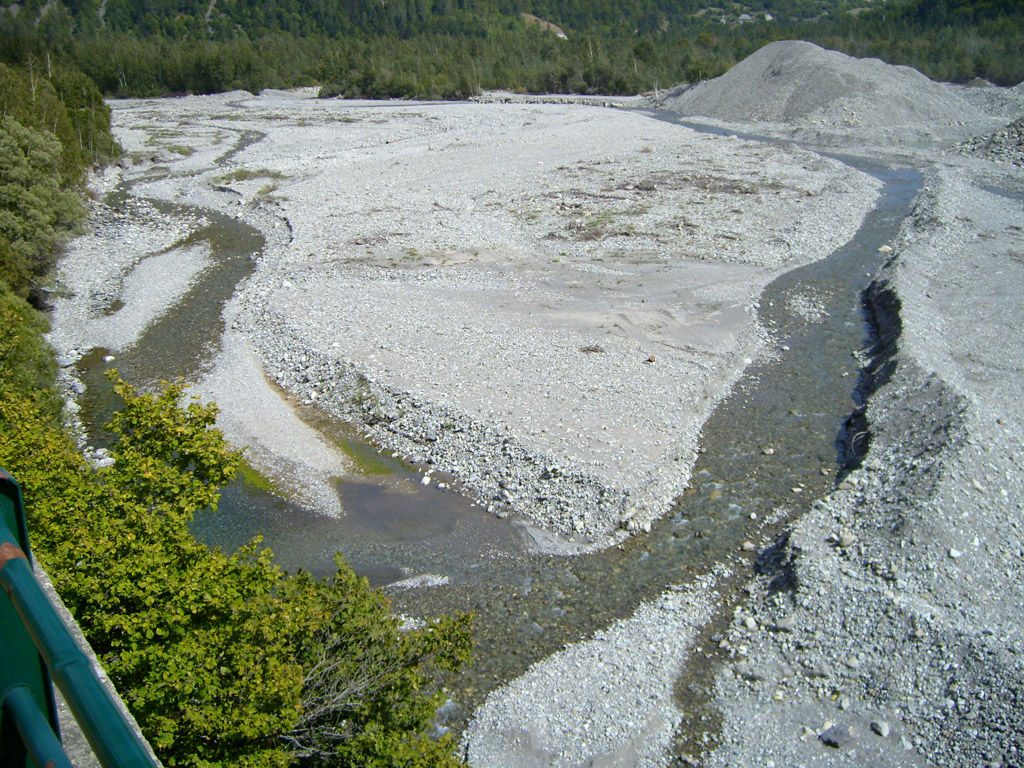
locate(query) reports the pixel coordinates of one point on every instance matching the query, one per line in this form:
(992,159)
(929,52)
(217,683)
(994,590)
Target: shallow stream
(769,450)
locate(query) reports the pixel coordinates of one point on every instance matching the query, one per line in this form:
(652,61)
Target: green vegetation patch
(247,174)
(367,461)
(255,479)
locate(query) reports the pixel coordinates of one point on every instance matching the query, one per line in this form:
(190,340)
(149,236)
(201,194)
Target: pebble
(837,736)
(955,553)
(846,539)
(785,624)
(748,546)
(881,728)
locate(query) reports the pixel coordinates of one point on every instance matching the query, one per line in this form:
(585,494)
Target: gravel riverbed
(548,320)
(546,302)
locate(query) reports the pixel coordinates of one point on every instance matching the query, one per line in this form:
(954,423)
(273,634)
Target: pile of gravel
(1005,145)
(1006,103)
(798,83)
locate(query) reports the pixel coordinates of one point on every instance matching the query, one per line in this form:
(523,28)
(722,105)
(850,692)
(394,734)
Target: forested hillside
(455,48)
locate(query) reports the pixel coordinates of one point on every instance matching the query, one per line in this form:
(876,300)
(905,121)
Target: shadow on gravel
(777,563)
(882,313)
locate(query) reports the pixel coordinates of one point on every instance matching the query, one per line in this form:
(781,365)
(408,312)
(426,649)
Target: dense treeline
(54,126)
(454,48)
(224,659)
(948,40)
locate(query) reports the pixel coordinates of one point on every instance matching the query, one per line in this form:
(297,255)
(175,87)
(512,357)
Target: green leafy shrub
(225,660)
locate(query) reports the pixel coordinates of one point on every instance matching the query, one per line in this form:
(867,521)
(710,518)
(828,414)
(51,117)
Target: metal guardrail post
(33,630)
(40,742)
(20,663)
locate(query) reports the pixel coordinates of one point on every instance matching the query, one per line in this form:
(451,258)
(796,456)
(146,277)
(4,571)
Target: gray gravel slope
(830,96)
(905,622)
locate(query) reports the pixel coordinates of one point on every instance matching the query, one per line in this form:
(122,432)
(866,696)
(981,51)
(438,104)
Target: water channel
(529,606)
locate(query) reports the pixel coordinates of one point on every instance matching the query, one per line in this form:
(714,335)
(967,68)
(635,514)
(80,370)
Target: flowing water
(769,450)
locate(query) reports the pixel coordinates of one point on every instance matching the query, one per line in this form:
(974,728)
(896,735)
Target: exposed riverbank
(553,324)
(889,618)
(884,627)
(550,322)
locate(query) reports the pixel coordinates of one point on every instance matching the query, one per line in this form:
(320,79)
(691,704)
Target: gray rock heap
(1005,145)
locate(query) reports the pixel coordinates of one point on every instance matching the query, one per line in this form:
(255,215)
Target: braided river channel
(777,443)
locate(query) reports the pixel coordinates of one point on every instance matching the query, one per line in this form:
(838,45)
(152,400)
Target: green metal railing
(36,644)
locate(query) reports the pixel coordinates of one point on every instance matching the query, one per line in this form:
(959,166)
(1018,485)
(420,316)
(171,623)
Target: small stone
(881,728)
(768,451)
(955,553)
(748,546)
(837,735)
(885,249)
(846,539)
(650,359)
(425,480)
(750,623)
(785,624)
(807,733)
